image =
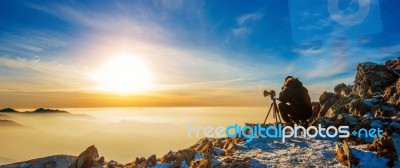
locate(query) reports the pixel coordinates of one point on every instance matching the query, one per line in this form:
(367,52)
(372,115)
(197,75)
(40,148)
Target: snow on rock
(298,152)
(367,158)
(51,161)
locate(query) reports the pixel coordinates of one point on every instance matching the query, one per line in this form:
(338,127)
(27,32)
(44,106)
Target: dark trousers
(290,115)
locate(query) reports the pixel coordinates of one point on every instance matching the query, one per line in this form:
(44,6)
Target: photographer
(295,102)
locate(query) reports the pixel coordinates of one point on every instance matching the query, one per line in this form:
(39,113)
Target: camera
(269,93)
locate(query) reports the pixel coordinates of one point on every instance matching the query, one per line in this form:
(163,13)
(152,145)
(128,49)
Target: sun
(123,74)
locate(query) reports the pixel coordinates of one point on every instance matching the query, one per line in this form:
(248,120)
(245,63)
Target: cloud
(32,41)
(245,22)
(36,75)
(245,19)
(390,51)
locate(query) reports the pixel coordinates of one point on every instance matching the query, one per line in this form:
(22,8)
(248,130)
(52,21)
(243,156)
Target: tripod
(276,113)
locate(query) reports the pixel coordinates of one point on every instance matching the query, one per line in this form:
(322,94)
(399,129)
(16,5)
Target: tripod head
(270,93)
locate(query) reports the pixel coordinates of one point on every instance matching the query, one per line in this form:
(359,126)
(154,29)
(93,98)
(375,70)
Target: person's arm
(284,95)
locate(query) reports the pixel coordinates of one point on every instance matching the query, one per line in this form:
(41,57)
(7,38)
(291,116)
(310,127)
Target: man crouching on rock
(295,103)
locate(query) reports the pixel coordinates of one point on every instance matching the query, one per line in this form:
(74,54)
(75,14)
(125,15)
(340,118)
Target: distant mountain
(50,161)
(8,110)
(43,110)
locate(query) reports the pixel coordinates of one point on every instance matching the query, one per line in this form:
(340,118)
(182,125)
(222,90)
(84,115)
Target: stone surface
(167,158)
(342,90)
(357,107)
(392,94)
(88,158)
(394,64)
(338,107)
(326,100)
(371,78)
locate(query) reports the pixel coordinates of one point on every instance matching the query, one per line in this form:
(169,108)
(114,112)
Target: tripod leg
(268,113)
(278,115)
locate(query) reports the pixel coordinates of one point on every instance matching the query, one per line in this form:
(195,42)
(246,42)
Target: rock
(326,100)
(344,155)
(199,145)
(207,147)
(88,158)
(114,164)
(167,158)
(218,143)
(202,163)
(362,124)
(371,78)
(386,113)
(229,145)
(357,107)
(384,146)
(342,90)
(316,107)
(392,94)
(338,107)
(186,155)
(393,64)
(327,96)
(340,121)
(151,161)
(139,161)
(236,162)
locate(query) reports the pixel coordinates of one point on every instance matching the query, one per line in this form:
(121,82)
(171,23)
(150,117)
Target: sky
(190,53)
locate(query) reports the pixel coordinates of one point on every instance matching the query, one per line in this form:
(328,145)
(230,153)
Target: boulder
(88,159)
(338,107)
(167,158)
(199,145)
(371,78)
(316,107)
(202,163)
(357,107)
(393,64)
(236,162)
(114,164)
(326,100)
(392,94)
(186,155)
(327,96)
(151,161)
(342,90)
(384,147)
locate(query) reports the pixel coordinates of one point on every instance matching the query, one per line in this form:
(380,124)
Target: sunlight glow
(123,74)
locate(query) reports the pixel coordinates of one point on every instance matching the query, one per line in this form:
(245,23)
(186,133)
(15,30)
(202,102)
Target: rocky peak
(88,159)
(394,64)
(371,78)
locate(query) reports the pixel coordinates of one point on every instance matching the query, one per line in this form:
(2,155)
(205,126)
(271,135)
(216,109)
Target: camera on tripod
(270,93)
(273,106)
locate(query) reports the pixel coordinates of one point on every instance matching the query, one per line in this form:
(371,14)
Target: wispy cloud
(38,76)
(32,41)
(244,23)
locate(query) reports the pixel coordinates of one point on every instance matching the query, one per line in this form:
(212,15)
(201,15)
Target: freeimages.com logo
(279,132)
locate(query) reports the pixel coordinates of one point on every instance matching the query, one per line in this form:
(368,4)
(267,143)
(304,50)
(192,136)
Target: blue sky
(205,51)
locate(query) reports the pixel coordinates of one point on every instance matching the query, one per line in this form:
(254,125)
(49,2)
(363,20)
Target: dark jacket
(297,95)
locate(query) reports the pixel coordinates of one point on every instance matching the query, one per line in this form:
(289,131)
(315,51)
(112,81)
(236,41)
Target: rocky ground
(372,102)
